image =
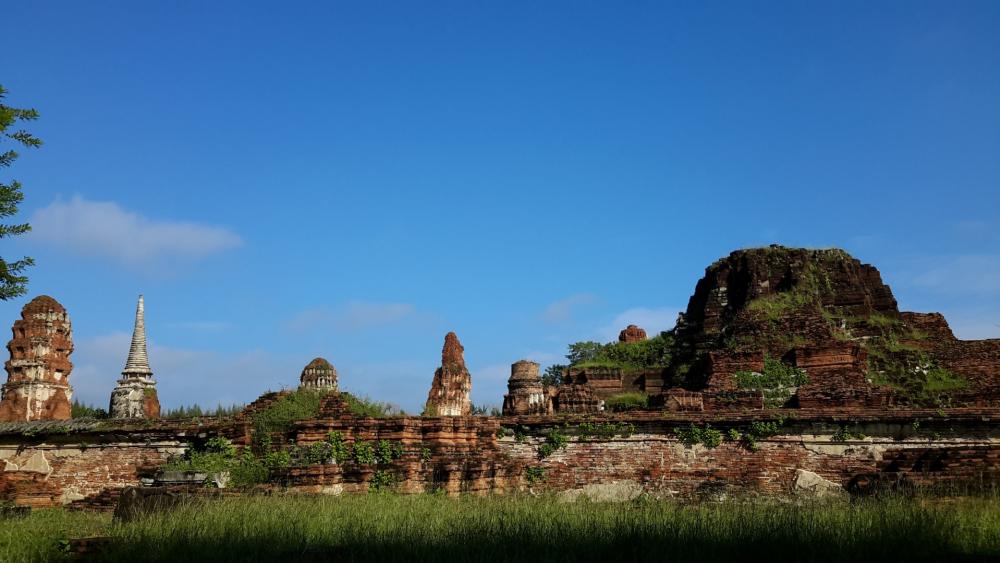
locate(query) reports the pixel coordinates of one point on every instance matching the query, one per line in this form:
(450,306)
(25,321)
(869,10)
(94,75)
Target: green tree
(584,352)
(553,375)
(12,280)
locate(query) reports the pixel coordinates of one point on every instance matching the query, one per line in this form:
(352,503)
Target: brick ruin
(632,333)
(885,399)
(452,385)
(320,375)
(38,370)
(135,395)
(819,311)
(87,464)
(526,394)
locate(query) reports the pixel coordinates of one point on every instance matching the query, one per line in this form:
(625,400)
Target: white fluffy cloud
(104,229)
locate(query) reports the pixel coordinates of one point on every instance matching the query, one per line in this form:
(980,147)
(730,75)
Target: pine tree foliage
(13,282)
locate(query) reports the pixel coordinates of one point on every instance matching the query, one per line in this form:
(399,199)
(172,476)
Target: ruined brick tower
(525,392)
(319,374)
(449,395)
(38,370)
(135,394)
(632,333)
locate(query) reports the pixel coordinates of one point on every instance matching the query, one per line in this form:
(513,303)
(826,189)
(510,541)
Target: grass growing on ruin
(385,527)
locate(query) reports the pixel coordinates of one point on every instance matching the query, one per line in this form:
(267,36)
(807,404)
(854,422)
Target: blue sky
(353,180)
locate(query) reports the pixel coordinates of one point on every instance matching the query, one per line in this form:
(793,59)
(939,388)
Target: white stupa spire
(138,362)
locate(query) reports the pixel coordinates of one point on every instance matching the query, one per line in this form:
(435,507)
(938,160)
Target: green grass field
(385,527)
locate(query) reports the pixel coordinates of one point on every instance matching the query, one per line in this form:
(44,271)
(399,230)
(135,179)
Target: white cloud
(653,320)
(104,229)
(975,274)
(354,315)
(562,310)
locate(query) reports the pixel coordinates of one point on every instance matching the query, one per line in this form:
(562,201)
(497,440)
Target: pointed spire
(138,362)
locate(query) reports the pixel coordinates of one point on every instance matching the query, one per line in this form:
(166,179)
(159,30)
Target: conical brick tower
(450,390)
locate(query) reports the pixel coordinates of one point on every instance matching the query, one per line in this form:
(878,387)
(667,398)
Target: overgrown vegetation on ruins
(382,527)
(651,353)
(777,381)
(256,462)
(624,402)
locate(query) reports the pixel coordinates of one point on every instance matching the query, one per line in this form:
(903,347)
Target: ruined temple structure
(449,394)
(632,333)
(525,392)
(869,400)
(135,394)
(820,311)
(826,313)
(320,375)
(38,370)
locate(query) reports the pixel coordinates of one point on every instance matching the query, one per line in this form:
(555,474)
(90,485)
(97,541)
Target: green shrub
(707,436)
(760,429)
(319,452)
(605,430)
(215,456)
(535,474)
(387,451)
(623,402)
(364,453)
(554,440)
(277,459)
(340,451)
(382,481)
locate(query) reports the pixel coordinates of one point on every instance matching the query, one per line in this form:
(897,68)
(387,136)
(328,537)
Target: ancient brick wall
(482,455)
(840,448)
(57,463)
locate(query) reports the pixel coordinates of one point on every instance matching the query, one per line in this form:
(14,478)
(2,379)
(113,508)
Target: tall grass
(44,534)
(382,527)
